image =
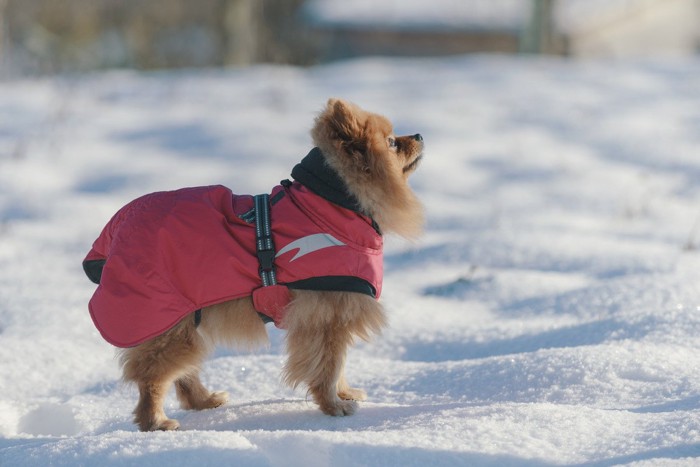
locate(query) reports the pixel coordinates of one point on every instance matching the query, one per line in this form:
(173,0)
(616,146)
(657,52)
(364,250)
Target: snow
(550,315)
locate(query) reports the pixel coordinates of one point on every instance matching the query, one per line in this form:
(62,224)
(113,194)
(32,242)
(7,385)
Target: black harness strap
(265,248)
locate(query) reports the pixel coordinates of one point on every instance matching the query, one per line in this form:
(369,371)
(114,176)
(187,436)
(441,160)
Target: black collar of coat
(314,173)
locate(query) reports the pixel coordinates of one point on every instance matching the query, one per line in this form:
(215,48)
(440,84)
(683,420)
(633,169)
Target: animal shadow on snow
(446,347)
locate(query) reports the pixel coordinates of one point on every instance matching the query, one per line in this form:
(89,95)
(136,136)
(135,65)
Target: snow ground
(549,316)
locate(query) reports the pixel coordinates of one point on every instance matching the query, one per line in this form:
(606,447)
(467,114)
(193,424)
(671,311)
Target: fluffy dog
(181,272)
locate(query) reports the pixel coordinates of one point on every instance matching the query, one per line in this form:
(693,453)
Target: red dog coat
(168,254)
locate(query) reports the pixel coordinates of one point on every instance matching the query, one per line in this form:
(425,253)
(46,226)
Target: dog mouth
(413,164)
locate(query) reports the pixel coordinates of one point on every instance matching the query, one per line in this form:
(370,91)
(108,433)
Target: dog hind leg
(194,396)
(156,364)
(149,414)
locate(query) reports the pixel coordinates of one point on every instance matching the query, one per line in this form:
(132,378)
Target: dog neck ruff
(166,255)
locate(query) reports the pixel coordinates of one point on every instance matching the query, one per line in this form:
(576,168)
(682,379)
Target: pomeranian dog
(180,272)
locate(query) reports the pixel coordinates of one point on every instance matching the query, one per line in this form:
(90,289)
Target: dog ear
(342,125)
(342,118)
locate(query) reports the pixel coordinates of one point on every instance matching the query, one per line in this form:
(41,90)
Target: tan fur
(320,328)
(320,325)
(354,142)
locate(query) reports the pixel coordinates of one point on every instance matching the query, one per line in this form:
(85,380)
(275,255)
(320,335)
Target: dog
(181,272)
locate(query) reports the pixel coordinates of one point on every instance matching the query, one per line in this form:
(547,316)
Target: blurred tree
(285,36)
(3,37)
(539,34)
(58,35)
(242,25)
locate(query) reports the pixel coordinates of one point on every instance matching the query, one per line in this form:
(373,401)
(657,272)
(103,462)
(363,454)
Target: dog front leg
(316,357)
(321,327)
(330,375)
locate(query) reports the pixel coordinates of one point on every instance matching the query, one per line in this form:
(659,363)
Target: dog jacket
(168,254)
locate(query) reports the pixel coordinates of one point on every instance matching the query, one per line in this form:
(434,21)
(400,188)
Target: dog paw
(352,394)
(213,400)
(340,409)
(216,399)
(166,425)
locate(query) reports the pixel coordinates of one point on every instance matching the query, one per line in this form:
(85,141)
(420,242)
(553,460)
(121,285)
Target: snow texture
(550,315)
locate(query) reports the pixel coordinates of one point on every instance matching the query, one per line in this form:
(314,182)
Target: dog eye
(392,142)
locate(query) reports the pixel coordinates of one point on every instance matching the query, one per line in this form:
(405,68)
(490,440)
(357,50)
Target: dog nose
(418,137)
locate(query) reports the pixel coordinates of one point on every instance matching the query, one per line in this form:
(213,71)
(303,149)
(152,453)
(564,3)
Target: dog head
(374,164)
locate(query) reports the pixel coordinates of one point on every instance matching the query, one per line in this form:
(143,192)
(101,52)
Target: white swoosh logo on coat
(309,244)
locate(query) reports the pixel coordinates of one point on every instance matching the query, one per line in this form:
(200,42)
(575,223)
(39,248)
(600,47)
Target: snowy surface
(550,315)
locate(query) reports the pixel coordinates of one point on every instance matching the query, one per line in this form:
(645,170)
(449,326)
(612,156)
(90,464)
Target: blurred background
(56,36)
